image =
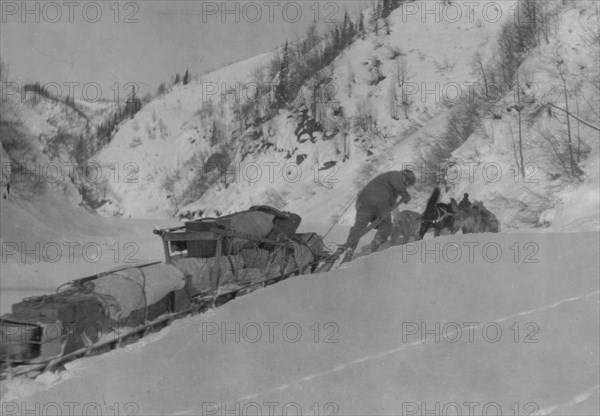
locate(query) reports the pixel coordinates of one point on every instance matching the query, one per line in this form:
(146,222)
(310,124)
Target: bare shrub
(462,122)
(365,118)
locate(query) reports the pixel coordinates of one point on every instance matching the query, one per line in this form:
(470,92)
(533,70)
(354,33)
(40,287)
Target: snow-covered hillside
(544,195)
(318,175)
(510,325)
(435,53)
(166,134)
(471,324)
(42,138)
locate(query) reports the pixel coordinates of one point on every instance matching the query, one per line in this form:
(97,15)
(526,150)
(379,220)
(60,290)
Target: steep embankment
(559,185)
(168,132)
(46,142)
(384,102)
(281,161)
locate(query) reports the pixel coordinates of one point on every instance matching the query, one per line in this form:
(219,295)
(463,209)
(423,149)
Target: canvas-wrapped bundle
(205,274)
(296,256)
(126,290)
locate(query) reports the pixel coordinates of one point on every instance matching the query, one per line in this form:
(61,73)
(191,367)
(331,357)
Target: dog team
(377,199)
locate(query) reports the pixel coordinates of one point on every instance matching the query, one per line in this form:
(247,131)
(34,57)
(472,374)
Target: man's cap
(409,176)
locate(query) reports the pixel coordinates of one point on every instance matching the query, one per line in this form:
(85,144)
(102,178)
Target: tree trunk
(578,132)
(484,80)
(565,93)
(520,127)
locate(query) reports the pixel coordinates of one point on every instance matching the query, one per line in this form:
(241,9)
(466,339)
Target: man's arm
(398,184)
(405,195)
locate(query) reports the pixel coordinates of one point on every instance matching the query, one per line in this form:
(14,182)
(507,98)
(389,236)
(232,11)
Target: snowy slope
(580,208)
(42,137)
(325,194)
(172,130)
(544,196)
(165,134)
(369,355)
(542,296)
(436,53)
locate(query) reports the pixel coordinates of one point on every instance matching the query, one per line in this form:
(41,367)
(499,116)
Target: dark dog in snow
(438,215)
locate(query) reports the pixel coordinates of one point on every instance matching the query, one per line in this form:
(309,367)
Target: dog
(489,223)
(468,220)
(476,219)
(405,226)
(438,215)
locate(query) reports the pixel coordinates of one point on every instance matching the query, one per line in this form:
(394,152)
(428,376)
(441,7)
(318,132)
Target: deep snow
(364,306)
(46,242)
(516,329)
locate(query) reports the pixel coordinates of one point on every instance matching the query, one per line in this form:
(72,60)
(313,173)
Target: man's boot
(375,245)
(348,255)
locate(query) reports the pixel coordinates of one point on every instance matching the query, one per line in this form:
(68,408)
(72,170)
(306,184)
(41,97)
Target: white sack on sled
(133,288)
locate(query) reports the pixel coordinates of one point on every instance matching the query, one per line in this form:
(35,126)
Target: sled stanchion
(217,269)
(167,251)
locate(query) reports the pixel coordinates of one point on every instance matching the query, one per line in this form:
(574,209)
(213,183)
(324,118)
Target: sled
(212,269)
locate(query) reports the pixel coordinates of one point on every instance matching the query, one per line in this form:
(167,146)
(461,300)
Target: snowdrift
(46,242)
(498,322)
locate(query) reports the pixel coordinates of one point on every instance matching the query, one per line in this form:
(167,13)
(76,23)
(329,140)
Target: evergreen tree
(281,93)
(346,29)
(386,26)
(337,41)
(132,105)
(186,77)
(177,79)
(374,20)
(81,151)
(161,89)
(311,38)
(386,8)
(361,25)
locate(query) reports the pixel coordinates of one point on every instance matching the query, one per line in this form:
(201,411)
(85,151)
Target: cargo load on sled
(208,262)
